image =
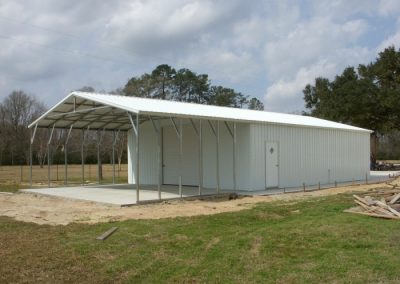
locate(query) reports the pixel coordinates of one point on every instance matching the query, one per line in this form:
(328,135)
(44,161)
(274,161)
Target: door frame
(265,163)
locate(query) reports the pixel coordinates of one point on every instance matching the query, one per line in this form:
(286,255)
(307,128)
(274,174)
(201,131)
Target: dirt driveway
(59,211)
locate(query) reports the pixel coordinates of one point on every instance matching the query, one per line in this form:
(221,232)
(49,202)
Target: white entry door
(271,164)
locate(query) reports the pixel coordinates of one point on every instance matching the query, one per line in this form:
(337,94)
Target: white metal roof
(108,111)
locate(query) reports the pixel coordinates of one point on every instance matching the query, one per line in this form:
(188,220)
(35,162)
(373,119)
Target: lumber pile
(383,204)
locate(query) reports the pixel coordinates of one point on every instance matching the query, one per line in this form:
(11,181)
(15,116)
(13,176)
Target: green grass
(12,187)
(311,241)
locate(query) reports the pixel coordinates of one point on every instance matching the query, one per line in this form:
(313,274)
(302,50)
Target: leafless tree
(20,110)
(4,135)
(120,148)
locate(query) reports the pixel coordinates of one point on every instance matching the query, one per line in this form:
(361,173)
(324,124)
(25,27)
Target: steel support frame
(115,139)
(215,130)
(136,130)
(66,155)
(32,139)
(84,136)
(179,133)
(48,153)
(99,141)
(233,135)
(63,114)
(199,133)
(157,130)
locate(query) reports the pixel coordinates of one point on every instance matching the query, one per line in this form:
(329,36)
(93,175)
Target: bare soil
(39,209)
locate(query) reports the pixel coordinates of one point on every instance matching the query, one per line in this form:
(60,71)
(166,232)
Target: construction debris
(382,203)
(106,234)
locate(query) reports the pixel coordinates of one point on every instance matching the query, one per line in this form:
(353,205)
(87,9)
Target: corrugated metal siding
(309,155)
(226,157)
(149,160)
(171,157)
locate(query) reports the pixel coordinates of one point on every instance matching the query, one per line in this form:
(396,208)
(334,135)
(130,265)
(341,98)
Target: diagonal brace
(178,133)
(51,134)
(229,129)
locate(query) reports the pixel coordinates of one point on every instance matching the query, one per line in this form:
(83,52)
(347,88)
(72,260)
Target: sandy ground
(59,211)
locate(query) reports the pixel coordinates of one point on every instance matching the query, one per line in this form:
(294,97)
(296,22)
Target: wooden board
(106,234)
(372,214)
(394,199)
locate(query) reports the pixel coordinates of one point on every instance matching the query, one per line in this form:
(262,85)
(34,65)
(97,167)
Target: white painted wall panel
(310,155)
(171,156)
(226,157)
(148,170)
(149,159)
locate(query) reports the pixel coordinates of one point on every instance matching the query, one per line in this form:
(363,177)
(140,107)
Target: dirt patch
(256,246)
(212,243)
(59,211)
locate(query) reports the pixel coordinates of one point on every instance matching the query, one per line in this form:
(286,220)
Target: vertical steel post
(98,156)
(217,157)
(113,157)
(159,161)
(137,157)
(30,160)
(234,156)
(82,157)
(30,154)
(180,157)
(200,158)
(66,156)
(65,164)
(48,158)
(157,130)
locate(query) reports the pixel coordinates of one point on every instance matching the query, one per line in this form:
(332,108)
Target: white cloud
(307,43)
(391,40)
(273,48)
(286,94)
(389,7)
(158,25)
(223,64)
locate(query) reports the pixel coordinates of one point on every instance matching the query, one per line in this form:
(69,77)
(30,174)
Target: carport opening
(179,148)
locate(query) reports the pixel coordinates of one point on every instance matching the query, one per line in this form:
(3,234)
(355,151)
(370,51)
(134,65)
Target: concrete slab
(125,194)
(120,195)
(115,195)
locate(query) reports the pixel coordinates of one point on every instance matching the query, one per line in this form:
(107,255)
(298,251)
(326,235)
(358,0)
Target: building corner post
(200,157)
(137,158)
(234,156)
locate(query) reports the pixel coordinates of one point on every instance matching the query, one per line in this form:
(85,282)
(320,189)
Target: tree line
(184,85)
(19,109)
(367,96)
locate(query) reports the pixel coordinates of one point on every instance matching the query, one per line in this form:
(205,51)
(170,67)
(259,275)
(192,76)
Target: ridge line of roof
(228,113)
(287,115)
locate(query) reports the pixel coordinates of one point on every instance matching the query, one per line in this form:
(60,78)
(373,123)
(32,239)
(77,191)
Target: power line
(78,38)
(73,52)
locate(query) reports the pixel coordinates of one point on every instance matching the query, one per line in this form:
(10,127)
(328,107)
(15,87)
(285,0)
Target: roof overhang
(93,111)
(82,113)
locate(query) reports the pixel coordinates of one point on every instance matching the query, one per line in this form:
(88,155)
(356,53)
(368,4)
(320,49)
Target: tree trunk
(374,146)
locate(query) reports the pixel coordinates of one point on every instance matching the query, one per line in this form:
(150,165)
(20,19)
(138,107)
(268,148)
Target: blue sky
(267,49)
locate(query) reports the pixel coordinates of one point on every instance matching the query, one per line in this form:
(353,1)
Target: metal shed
(187,144)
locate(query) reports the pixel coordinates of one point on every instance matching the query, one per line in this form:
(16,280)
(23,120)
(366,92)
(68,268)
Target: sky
(265,49)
